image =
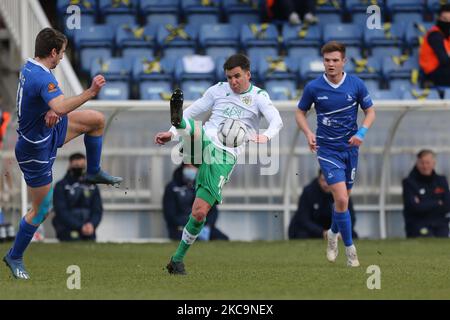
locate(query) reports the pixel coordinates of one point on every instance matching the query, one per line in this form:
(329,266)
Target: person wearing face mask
(426,199)
(77,204)
(178,198)
(434,59)
(315,207)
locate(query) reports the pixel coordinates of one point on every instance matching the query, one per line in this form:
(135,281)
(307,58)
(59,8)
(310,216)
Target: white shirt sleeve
(271,114)
(196,108)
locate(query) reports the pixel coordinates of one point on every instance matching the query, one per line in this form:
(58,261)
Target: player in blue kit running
(47,121)
(336,96)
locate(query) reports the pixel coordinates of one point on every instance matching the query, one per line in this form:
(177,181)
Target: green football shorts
(214,164)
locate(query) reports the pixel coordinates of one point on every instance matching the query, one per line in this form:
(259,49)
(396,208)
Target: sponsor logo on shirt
(349,97)
(322,98)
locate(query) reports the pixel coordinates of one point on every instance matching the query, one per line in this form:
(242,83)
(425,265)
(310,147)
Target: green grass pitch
(410,269)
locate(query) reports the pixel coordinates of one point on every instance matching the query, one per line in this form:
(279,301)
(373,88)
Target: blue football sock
(93,146)
(345,226)
(334,226)
(23,239)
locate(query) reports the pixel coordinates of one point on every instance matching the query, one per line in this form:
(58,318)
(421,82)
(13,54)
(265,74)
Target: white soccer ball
(232,132)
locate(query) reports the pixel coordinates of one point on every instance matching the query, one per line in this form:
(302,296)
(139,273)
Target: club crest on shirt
(247,100)
(349,97)
(51,87)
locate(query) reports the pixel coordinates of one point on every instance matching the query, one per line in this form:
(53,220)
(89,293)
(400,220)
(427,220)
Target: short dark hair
(444,8)
(237,60)
(47,40)
(422,153)
(333,46)
(76,156)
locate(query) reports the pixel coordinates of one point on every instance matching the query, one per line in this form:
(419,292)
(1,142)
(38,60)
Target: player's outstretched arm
(369,118)
(300,118)
(63,106)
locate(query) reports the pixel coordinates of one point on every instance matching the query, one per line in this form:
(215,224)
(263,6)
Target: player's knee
(99,119)
(341,202)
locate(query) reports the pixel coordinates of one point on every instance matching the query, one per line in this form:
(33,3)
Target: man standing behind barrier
(336,97)
(426,199)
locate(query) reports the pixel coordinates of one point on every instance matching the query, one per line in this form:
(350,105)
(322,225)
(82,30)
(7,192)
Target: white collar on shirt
(38,64)
(335,85)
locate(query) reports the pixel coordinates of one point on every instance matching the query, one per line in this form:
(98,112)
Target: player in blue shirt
(48,120)
(336,97)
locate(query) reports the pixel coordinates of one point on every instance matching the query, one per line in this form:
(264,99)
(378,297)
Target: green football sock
(190,233)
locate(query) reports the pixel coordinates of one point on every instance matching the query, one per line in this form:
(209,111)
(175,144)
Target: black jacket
(433,198)
(177,205)
(75,203)
(314,213)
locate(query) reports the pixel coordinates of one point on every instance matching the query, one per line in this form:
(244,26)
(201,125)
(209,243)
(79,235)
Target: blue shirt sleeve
(49,88)
(364,99)
(307,99)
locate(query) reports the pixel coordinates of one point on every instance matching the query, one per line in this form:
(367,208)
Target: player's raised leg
(90,123)
(341,216)
(27,227)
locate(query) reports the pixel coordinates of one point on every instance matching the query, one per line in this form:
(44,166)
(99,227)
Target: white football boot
(332,247)
(352,257)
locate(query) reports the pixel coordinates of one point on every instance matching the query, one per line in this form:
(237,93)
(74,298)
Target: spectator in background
(293,11)
(178,198)
(426,199)
(77,204)
(434,52)
(313,216)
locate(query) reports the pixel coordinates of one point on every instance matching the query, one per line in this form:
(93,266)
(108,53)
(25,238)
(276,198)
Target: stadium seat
(132,54)
(195,67)
(329,17)
(301,36)
(433,6)
(198,12)
(153,69)
(239,12)
(348,34)
(372,85)
(88,55)
(118,12)
(160,12)
(421,94)
(194,89)
(282,89)
(383,51)
(392,35)
(134,36)
(415,31)
(87,7)
(311,67)
(447,93)
(218,38)
(399,67)
(278,67)
(405,9)
(113,69)
(172,38)
(96,36)
(329,11)
(115,90)
(400,85)
(357,10)
(365,69)
(385,95)
(154,90)
(86,20)
(259,36)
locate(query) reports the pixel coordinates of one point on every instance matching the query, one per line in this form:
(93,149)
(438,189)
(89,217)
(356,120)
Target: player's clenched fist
(97,83)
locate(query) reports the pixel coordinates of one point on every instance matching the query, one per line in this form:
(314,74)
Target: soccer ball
(232,132)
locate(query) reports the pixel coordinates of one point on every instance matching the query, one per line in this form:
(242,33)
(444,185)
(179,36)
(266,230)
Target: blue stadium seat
(95,36)
(357,9)
(301,36)
(385,95)
(281,89)
(175,37)
(154,90)
(198,12)
(194,89)
(329,17)
(134,36)
(157,11)
(115,90)
(421,94)
(372,85)
(113,69)
(329,11)
(278,67)
(415,31)
(219,37)
(86,20)
(353,52)
(383,51)
(400,85)
(412,8)
(88,55)
(259,36)
(348,34)
(132,54)
(299,52)
(87,7)
(195,67)
(433,6)
(391,35)
(365,69)
(447,93)
(240,12)
(311,67)
(398,67)
(118,12)
(153,68)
